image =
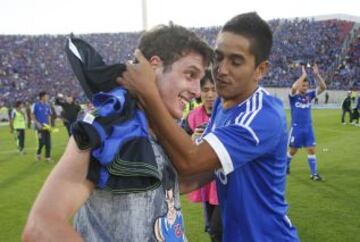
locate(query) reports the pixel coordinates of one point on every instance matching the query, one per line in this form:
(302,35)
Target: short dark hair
(18,104)
(254,28)
(42,93)
(171,43)
(207,78)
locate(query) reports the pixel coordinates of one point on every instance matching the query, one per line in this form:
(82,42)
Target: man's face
(304,87)
(208,95)
(69,99)
(45,98)
(234,67)
(180,82)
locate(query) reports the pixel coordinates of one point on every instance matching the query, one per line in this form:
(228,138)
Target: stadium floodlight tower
(144,14)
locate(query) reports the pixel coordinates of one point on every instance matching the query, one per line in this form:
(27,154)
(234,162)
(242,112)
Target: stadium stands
(32,63)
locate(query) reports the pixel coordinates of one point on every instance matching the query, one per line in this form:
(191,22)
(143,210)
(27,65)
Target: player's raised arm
(319,80)
(64,191)
(299,81)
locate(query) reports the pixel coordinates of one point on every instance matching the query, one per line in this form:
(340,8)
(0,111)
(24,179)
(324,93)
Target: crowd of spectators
(29,64)
(347,72)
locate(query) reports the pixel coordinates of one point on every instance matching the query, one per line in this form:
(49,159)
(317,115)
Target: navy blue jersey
(301,108)
(250,140)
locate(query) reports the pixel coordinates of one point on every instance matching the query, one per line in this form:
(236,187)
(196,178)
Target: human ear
(261,70)
(155,62)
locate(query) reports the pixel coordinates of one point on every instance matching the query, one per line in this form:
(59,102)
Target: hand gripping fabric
(122,159)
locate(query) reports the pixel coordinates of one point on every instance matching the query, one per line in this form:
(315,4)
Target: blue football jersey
(250,140)
(301,108)
(42,112)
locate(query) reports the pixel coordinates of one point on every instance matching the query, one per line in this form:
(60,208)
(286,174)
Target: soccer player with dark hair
(41,115)
(245,142)
(346,108)
(70,110)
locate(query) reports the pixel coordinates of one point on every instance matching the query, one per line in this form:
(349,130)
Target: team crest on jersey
(302,105)
(221,175)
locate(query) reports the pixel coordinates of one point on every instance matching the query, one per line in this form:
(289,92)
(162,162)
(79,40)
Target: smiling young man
(178,58)
(245,141)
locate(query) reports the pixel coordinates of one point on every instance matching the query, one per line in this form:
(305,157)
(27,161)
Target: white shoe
(49,160)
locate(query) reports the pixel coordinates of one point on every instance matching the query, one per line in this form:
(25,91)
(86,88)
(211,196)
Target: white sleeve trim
(74,50)
(222,153)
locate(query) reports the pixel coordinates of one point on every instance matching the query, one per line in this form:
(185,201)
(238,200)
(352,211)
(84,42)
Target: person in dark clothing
(346,108)
(316,100)
(326,97)
(355,117)
(70,111)
(53,115)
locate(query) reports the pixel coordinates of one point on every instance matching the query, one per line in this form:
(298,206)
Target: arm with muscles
(191,183)
(298,82)
(320,81)
(63,193)
(189,159)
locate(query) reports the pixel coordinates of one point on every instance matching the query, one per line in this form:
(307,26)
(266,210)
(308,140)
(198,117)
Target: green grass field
(322,211)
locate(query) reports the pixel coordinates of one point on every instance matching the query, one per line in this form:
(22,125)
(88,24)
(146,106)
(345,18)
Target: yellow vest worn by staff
(19,120)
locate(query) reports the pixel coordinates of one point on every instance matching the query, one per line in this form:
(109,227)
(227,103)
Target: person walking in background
(326,97)
(41,115)
(70,110)
(18,123)
(346,108)
(355,113)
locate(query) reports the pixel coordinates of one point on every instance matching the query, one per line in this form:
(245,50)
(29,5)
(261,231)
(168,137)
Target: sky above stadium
(99,16)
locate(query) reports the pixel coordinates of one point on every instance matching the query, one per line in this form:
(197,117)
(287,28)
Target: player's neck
(229,103)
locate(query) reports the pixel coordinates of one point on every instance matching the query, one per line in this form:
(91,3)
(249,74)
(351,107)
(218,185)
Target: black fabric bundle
(122,158)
